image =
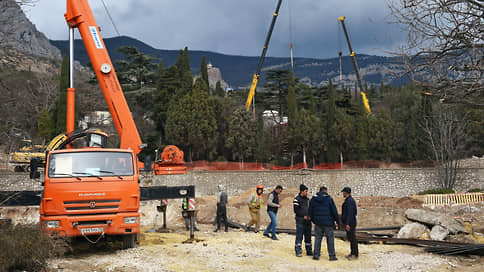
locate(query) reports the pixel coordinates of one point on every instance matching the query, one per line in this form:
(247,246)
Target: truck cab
(91,192)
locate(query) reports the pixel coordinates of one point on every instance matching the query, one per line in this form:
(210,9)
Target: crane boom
(255,79)
(352,54)
(79,15)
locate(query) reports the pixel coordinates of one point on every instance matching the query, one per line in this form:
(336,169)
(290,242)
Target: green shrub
(475,190)
(437,191)
(26,247)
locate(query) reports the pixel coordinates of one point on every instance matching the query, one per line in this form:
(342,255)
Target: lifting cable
(110,18)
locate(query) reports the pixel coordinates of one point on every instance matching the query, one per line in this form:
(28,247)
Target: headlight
(131,220)
(51,224)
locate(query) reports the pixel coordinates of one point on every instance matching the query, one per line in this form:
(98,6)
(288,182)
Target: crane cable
(110,18)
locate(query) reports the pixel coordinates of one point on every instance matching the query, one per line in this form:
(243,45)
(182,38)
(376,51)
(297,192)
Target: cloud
(236,27)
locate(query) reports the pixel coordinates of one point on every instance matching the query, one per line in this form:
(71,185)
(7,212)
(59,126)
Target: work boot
(274,238)
(267,235)
(309,253)
(315,258)
(216,230)
(333,258)
(226,230)
(351,257)
(298,254)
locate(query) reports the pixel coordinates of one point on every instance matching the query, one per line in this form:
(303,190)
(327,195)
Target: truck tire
(129,241)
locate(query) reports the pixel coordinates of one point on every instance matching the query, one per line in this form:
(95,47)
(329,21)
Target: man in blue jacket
(324,215)
(348,218)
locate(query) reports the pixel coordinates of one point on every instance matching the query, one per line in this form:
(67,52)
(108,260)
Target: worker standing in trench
(222,200)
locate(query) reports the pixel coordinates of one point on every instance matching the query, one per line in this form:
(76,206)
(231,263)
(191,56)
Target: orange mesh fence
(325,166)
(256,166)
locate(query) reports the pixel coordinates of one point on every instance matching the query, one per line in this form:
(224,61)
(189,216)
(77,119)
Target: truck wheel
(129,241)
(19,168)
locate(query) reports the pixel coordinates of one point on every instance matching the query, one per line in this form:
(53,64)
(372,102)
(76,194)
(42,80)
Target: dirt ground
(238,250)
(244,251)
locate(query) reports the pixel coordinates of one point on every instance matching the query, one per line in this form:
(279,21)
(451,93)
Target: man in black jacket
(303,223)
(324,215)
(348,218)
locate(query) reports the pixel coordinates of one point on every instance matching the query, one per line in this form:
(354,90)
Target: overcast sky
(236,27)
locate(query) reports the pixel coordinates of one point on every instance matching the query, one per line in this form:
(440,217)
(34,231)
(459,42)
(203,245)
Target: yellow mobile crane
(250,98)
(355,65)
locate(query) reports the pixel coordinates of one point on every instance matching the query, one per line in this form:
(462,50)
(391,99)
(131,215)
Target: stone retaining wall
(364,182)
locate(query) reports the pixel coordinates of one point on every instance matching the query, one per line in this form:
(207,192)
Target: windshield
(90,164)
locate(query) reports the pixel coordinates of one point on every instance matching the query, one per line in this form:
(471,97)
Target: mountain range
(237,71)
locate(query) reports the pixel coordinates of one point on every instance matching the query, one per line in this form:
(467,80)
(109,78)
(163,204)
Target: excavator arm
(79,15)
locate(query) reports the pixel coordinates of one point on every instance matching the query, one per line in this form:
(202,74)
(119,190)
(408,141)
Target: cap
(302,187)
(346,190)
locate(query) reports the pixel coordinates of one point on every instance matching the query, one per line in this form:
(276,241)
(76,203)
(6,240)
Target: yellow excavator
(22,158)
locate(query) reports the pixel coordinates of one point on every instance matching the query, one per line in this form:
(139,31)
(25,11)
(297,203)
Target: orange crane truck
(92,191)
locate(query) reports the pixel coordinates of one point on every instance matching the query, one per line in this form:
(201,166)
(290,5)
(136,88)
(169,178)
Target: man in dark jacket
(222,200)
(348,218)
(272,207)
(324,215)
(303,223)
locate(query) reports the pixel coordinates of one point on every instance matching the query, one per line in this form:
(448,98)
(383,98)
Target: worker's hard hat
(260,186)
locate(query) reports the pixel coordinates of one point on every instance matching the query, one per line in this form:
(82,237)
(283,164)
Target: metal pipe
(71,57)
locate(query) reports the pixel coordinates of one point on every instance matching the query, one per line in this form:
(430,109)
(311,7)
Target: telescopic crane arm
(79,15)
(261,60)
(352,54)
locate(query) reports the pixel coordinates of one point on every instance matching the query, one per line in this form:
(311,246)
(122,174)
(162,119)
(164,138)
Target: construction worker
(273,206)
(222,200)
(303,223)
(324,215)
(348,218)
(255,203)
(187,218)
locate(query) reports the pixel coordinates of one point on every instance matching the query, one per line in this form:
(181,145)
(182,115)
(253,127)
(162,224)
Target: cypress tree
(204,71)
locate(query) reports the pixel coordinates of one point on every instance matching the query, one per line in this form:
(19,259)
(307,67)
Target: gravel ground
(241,251)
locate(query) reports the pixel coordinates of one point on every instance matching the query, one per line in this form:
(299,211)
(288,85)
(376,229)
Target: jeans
(303,228)
(328,232)
(272,225)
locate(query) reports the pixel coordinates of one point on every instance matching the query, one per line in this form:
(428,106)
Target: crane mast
(79,15)
(352,54)
(255,79)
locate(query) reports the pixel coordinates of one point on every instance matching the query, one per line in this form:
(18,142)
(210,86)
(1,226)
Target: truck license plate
(91,230)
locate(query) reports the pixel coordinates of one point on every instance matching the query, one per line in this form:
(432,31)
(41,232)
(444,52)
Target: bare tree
(445,130)
(445,47)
